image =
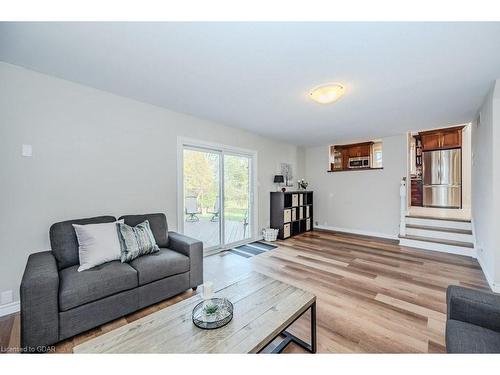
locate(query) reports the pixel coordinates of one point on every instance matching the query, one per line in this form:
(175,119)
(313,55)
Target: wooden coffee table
(263,309)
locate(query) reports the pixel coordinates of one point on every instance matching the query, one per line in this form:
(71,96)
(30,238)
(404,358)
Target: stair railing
(403,207)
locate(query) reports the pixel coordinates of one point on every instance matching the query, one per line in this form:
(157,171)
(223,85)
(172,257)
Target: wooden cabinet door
(365,150)
(345,158)
(431,141)
(451,139)
(353,152)
(416,193)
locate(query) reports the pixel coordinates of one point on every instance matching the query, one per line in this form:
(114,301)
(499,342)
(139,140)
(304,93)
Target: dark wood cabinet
(430,141)
(345,158)
(291,212)
(359,149)
(452,139)
(416,193)
(441,139)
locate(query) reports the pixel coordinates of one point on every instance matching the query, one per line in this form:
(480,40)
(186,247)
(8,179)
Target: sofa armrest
(39,302)
(474,307)
(194,250)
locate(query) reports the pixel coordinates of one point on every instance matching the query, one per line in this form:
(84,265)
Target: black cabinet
(291,212)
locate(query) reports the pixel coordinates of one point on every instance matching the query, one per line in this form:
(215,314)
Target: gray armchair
(58,302)
(473,321)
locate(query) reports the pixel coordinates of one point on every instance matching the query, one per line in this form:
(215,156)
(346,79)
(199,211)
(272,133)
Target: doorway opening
(439,172)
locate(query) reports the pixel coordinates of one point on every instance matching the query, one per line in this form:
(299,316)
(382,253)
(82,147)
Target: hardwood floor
(373,296)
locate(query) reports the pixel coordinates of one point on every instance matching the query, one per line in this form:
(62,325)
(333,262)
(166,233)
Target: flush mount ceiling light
(327,93)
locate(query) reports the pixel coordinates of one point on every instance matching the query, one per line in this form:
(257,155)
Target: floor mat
(253,248)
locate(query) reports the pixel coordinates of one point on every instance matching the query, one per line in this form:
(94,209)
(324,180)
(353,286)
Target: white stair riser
(440,235)
(439,223)
(438,247)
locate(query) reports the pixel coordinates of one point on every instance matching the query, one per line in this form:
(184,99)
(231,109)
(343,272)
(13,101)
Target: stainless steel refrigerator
(442,172)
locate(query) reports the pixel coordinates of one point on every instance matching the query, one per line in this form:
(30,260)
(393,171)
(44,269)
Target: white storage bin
(287,216)
(270,234)
(286,230)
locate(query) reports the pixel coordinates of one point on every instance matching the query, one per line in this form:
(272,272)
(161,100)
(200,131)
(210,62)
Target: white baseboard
(495,287)
(358,231)
(10,308)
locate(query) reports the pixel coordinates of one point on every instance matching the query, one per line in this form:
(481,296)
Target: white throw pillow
(98,244)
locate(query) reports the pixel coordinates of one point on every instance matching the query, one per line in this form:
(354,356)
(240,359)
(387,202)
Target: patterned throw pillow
(136,241)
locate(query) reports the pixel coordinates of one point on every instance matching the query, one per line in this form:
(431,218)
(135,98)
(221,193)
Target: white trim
(494,286)
(358,231)
(223,149)
(439,247)
(473,228)
(10,308)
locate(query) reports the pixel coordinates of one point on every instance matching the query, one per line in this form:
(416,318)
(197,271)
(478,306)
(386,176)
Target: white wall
(95,153)
(365,201)
(486,186)
(496,182)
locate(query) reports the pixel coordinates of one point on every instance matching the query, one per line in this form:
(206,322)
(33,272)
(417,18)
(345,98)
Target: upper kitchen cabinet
(359,150)
(441,139)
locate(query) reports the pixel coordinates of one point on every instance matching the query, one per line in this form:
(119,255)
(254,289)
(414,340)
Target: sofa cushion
(464,337)
(157,223)
(98,244)
(136,241)
(78,288)
(64,242)
(159,265)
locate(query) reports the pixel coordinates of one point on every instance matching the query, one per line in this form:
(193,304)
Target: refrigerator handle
(440,164)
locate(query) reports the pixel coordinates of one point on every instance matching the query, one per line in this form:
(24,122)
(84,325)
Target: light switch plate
(27,150)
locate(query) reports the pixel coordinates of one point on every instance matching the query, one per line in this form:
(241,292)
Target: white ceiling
(256,76)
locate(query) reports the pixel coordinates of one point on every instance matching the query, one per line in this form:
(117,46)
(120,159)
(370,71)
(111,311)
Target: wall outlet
(27,151)
(316,223)
(6,297)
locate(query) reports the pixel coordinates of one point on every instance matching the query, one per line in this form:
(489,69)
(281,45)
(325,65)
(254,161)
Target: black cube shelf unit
(291,212)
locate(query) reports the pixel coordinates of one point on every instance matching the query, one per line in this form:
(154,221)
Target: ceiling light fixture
(327,93)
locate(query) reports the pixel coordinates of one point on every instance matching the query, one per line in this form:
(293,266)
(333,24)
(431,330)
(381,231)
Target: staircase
(447,235)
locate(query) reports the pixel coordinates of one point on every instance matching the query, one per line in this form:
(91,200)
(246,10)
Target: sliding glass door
(217,196)
(201,196)
(237,210)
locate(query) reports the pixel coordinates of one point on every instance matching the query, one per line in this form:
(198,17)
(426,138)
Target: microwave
(360,162)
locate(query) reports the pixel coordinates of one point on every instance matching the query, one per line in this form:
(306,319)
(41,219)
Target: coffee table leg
(292,338)
(313,328)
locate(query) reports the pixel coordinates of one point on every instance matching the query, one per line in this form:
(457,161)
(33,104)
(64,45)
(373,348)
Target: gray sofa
(58,302)
(473,322)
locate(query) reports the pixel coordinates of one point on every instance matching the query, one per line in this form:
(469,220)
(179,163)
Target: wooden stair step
(439,229)
(437,218)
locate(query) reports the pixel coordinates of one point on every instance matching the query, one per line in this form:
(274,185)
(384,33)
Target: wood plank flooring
(373,296)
